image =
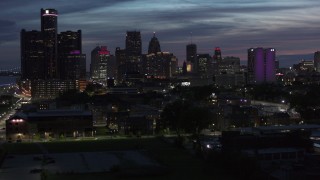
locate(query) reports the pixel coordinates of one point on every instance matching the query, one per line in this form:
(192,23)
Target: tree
(172,116)
(196,119)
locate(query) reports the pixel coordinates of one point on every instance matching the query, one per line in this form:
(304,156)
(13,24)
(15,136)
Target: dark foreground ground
(173,162)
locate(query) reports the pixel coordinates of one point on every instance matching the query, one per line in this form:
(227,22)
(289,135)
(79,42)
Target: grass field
(177,163)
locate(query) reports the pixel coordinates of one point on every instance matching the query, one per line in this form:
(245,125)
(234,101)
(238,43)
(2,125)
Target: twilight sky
(290,26)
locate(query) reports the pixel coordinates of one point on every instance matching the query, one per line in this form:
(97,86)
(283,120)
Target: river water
(6,80)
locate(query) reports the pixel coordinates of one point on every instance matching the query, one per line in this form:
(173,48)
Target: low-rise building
(49,124)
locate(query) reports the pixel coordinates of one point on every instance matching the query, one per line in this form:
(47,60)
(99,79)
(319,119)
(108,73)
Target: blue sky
(290,26)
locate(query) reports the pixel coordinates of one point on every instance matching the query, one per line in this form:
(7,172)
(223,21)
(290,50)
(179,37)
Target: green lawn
(177,162)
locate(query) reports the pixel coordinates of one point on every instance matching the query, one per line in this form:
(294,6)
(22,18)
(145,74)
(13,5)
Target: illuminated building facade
(49,29)
(316,61)
(217,54)
(51,88)
(159,65)
(72,63)
(50,61)
(216,60)
(204,65)
(228,72)
(49,124)
(100,56)
(73,67)
(261,65)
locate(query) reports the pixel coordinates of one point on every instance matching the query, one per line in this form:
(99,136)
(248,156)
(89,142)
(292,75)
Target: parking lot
(30,166)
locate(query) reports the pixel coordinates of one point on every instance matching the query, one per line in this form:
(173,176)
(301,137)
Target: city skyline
(234,26)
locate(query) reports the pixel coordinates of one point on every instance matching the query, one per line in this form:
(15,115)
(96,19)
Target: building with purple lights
(50,58)
(71,61)
(261,65)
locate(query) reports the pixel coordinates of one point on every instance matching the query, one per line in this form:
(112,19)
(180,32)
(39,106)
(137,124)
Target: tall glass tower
(133,51)
(49,29)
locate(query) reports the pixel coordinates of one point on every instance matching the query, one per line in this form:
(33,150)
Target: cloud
(6,31)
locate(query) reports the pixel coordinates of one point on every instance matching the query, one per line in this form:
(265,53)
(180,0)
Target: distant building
(49,124)
(74,67)
(49,56)
(133,51)
(72,63)
(229,65)
(191,57)
(32,55)
(120,56)
(228,72)
(49,29)
(304,66)
(154,45)
(217,54)
(261,65)
(191,52)
(100,56)
(158,65)
(316,61)
(204,65)
(50,89)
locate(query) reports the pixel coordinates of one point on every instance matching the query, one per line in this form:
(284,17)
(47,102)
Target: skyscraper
(159,65)
(154,45)
(69,42)
(120,64)
(216,60)
(99,62)
(32,57)
(50,64)
(191,51)
(270,66)
(49,29)
(133,43)
(133,51)
(191,56)
(250,67)
(261,65)
(217,54)
(71,61)
(316,61)
(204,68)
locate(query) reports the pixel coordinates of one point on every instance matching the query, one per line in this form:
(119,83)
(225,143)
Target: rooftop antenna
(154,34)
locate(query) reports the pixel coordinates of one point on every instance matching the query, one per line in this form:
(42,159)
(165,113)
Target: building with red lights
(49,124)
(100,64)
